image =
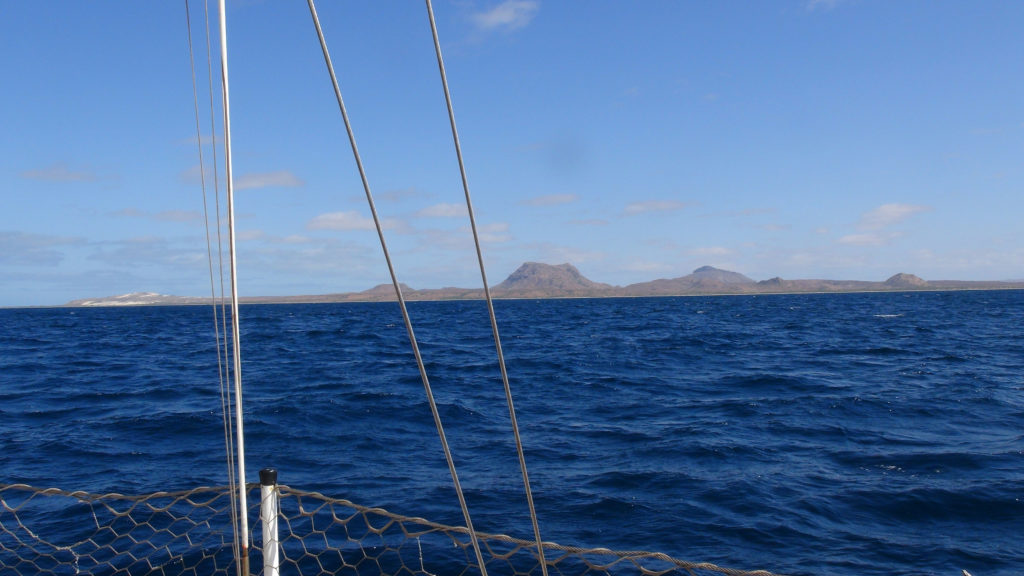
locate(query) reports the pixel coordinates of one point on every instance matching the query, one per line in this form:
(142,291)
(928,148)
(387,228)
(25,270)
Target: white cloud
(888,215)
(60,173)
(443,211)
(279,179)
(654,206)
(494,233)
(551,200)
(340,221)
(511,15)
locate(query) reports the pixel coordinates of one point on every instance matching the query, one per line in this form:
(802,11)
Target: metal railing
(52,531)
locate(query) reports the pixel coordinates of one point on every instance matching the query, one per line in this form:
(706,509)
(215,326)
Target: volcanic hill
(537,280)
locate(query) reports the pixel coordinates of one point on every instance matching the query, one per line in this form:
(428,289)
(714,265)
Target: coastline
(533,280)
(359,298)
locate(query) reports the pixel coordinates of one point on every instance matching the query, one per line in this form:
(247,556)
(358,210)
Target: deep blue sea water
(804,434)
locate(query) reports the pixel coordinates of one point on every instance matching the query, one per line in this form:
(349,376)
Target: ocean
(843,434)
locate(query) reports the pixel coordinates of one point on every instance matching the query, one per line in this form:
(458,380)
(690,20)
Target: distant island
(536,280)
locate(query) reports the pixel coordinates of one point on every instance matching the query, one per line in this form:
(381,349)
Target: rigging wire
(487,293)
(220,224)
(218,317)
(243,525)
(222,338)
(398,291)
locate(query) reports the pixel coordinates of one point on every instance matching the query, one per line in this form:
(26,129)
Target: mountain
(902,280)
(703,280)
(536,280)
(710,274)
(533,280)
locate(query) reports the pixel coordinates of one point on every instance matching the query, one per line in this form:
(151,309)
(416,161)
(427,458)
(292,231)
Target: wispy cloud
(443,211)
(351,220)
(549,252)
(889,214)
(867,239)
(190,216)
(279,179)
(509,15)
(148,251)
(710,251)
(400,194)
(33,249)
(459,240)
(250,235)
(646,266)
(495,233)
(178,216)
(876,225)
(193,175)
(60,173)
(324,265)
(551,200)
(654,206)
(129,213)
(340,221)
(590,222)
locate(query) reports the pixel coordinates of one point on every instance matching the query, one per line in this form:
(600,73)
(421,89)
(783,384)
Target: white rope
(487,294)
(398,292)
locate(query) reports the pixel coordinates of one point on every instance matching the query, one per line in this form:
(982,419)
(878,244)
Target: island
(537,280)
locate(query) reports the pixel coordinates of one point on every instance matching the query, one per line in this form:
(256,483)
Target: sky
(841,139)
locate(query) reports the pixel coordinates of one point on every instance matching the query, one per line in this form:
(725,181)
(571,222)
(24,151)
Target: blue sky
(797,138)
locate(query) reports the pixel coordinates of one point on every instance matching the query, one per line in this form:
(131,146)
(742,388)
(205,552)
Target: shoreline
(353,298)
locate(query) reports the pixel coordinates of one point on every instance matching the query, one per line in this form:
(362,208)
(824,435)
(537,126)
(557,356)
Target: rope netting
(52,531)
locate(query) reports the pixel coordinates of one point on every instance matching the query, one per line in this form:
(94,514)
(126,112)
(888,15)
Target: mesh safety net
(52,531)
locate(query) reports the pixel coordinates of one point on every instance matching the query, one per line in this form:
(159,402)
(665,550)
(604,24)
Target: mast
(243,528)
